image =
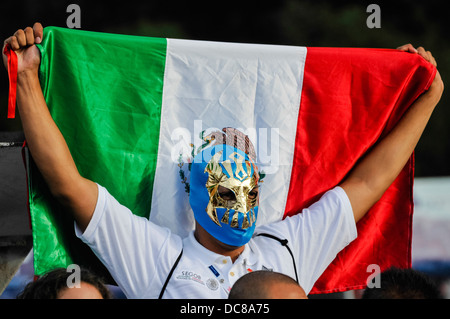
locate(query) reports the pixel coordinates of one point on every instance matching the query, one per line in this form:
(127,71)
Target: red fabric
(352,97)
(12,76)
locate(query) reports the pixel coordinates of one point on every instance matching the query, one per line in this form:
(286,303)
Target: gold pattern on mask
(245,222)
(242,203)
(225,217)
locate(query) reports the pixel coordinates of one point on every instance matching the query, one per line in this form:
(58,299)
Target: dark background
(287,22)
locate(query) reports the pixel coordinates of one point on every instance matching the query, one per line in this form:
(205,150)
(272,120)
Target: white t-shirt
(140,254)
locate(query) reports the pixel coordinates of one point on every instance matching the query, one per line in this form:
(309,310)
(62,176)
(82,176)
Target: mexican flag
(135,110)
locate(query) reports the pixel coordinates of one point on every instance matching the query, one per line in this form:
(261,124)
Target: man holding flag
(148,261)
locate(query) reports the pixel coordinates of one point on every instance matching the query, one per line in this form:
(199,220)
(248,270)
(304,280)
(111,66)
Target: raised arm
(370,178)
(46,143)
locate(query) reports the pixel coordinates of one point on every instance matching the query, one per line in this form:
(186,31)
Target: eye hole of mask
(226,194)
(253,193)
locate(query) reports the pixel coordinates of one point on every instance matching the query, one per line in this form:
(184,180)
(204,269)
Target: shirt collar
(208,256)
(248,256)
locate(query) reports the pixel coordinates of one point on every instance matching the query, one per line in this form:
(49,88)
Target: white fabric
(140,254)
(251,87)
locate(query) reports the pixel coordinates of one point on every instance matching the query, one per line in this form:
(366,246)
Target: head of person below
(224,193)
(55,285)
(398,283)
(264,284)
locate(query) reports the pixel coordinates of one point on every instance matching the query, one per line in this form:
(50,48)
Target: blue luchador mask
(224,193)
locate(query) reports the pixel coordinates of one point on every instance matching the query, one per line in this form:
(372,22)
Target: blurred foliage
(288,22)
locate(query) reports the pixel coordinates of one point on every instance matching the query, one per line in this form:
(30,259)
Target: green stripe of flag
(117,127)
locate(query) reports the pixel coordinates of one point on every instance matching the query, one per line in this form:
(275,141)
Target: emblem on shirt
(212,284)
(190,275)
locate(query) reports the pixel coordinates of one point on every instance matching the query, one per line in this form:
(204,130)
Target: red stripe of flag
(350,98)
(12,76)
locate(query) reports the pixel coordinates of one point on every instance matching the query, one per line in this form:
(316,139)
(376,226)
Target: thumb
(38,32)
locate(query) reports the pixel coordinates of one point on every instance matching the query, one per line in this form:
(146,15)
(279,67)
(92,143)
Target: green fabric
(104,92)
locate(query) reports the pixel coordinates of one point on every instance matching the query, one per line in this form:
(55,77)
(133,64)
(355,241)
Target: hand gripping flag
(135,110)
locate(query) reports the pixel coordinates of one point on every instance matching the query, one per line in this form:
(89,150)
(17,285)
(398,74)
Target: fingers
(423,53)
(427,55)
(407,48)
(433,60)
(26,37)
(29,36)
(420,50)
(12,41)
(20,36)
